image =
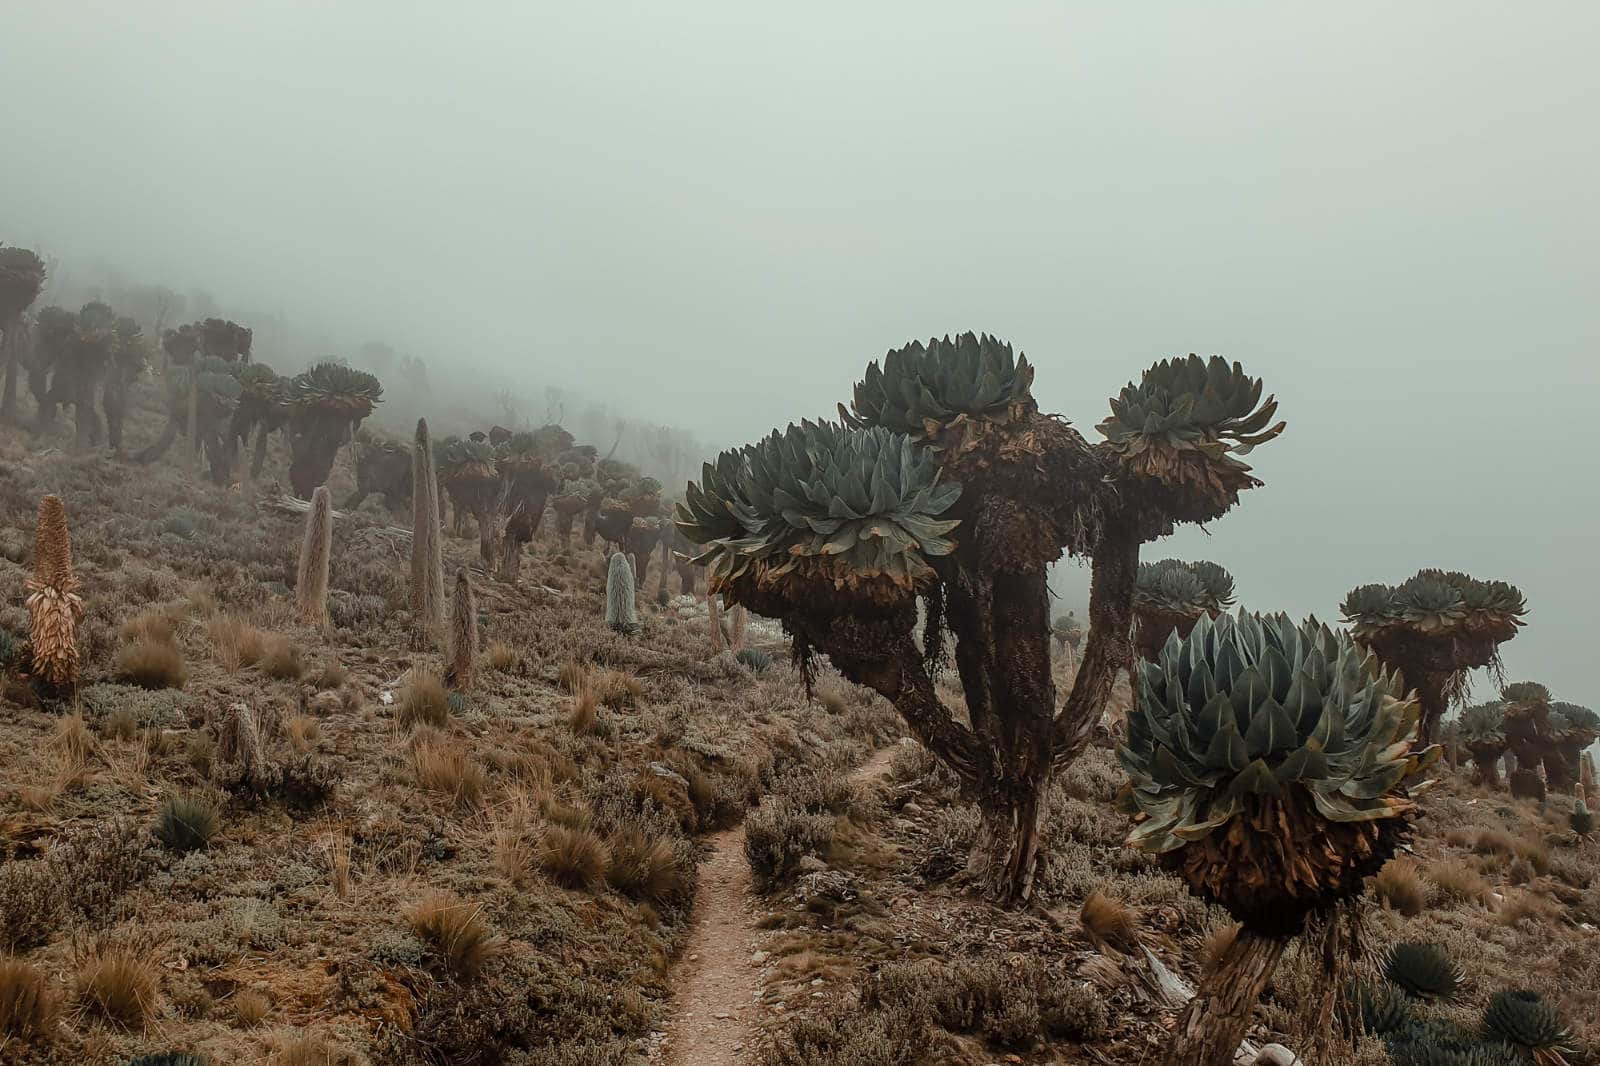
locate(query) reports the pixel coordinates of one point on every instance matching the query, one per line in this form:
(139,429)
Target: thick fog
(714,215)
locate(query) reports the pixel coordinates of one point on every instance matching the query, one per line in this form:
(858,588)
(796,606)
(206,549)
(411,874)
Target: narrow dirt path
(715,1002)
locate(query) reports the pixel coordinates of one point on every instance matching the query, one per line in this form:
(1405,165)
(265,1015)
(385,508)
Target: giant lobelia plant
(1435,628)
(1268,765)
(945,484)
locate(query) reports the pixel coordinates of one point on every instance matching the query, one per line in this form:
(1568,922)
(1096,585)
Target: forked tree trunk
(1005,853)
(1209,1030)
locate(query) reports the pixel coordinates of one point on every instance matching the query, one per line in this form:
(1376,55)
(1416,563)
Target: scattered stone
(1276,1055)
(661,769)
(810,864)
(759,957)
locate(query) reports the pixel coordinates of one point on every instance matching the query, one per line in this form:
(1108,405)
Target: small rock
(911,808)
(1276,1055)
(810,864)
(759,957)
(817,982)
(661,769)
(722,1014)
(694,958)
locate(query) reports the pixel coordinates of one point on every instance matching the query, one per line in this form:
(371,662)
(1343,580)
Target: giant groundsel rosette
(928,390)
(1268,764)
(859,509)
(1186,422)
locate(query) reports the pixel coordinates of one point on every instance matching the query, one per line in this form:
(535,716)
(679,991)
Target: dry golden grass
(573,858)
(1218,940)
(643,868)
(423,701)
(513,837)
(309,1049)
(1108,921)
(454,929)
(1399,886)
(29,1005)
(250,1008)
(281,658)
(832,700)
(1526,907)
(618,689)
(445,766)
(331,675)
(157,626)
(1457,881)
(116,980)
(121,725)
(340,877)
(73,741)
(235,643)
(302,731)
(585,713)
(502,656)
(572,675)
(151,664)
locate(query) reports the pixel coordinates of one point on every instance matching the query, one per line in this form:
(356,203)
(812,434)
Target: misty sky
(720,212)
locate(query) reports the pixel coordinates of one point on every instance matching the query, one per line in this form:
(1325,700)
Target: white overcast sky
(720,211)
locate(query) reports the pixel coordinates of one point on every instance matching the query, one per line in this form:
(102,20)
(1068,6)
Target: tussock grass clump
(574,857)
(1109,921)
(250,1008)
(281,658)
(502,656)
(74,741)
(1011,1002)
(29,1005)
(618,690)
(643,868)
(311,1049)
(302,732)
(156,626)
(1457,881)
(423,701)
(584,717)
(151,664)
(444,765)
(332,675)
(456,930)
(1400,887)
(116,979)
(188,821)
(235,643)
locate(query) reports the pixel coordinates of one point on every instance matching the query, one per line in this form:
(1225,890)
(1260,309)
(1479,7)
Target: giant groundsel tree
(1435,628)
(945,483)
(22,275)
(1267,765)
(1171,595)
(327,404)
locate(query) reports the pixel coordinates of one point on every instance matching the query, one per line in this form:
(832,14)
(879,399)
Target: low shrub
(777,835)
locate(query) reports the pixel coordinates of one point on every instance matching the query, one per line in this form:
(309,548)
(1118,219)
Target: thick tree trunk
(11,359)
(1430,693)
(1560,771)
(168,434)
(194,416)
(1209,1030)
(1488,767)
(1006,852)
(1109,649)
(260,459)
(116,407)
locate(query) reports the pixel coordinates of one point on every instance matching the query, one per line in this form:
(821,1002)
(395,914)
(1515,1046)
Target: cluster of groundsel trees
(945,483)
(1268,761)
